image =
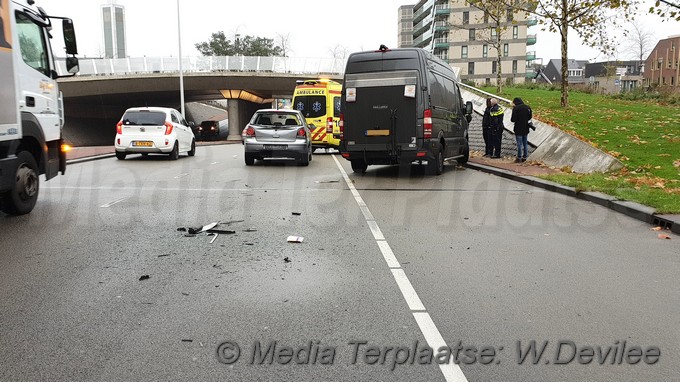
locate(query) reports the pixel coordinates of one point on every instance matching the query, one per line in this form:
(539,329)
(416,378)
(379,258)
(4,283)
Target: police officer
(496,126)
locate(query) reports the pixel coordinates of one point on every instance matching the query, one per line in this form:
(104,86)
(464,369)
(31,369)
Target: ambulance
(319,101)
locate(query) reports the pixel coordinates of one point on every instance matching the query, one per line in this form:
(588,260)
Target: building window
(514,66)
(506,50)
(471,68)
(515,32)
(466,18)
(485,51)
(472,34)
(488,81)
(494,33)
(494,67)
(509,11)
(464,51)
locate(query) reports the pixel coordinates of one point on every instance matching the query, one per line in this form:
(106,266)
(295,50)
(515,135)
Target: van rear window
(144,118)
(310,106)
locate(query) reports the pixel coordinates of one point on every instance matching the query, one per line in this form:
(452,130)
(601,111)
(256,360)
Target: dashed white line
(109,204)
(451,371)
(182,175)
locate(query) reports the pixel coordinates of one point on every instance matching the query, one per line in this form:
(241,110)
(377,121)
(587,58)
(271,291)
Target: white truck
(31,106)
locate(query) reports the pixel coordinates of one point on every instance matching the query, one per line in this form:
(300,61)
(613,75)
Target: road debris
(144,277)
(297,213)
(295,239)
(664,236)
(164,255)
(286,259)
(221,231)
(250,230)
(327,181)
(208,227)
(181,229)
(187,340)
(214,238)
(656,228)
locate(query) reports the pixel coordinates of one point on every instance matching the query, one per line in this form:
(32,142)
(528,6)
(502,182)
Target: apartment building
(463,36)
(405,29)
(662,66)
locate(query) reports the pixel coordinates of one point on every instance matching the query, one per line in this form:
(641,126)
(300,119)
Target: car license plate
(275,147)
(374,133)
(142,143)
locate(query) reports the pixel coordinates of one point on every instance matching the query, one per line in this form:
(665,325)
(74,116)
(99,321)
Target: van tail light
(301,133)
(329,125)
(168,128)
(427,124)
(341,124)
(250,131)
(119,128)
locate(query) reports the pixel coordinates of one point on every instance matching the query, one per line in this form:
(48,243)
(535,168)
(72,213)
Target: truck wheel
(120,155)
(436,166)
(359,166)
(174,154)
(192,152)
(466,153)
(21,198)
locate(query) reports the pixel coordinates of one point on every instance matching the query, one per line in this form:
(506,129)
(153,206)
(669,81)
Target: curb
(90,158)
(631,209)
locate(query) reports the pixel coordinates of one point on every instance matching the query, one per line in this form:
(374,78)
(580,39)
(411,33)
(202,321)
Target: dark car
(209,129)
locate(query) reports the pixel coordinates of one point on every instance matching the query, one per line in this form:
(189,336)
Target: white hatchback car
(144,130)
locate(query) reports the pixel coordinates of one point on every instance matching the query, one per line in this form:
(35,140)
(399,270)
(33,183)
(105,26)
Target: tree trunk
(564,28)
(499,76)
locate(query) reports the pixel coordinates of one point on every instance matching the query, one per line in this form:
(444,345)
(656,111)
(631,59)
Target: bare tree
(338,51)
(592,20)
(639,41)
(284,43)
(496,17)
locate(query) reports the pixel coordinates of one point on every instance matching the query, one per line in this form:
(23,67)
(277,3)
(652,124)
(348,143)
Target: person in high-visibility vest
(496,122)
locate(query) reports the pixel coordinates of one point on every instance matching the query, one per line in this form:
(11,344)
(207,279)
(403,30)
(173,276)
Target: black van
(400,106)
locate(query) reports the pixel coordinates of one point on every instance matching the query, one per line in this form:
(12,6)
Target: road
(392,262)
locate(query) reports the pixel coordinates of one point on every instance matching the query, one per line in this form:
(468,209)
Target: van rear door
(381,112)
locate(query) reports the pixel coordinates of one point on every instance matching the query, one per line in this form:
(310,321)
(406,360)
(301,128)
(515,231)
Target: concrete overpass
(96,99)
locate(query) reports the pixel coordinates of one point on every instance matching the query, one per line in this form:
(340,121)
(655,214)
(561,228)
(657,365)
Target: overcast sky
(314,27)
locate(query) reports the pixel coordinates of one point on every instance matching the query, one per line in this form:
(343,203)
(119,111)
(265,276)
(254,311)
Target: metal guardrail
(141,65)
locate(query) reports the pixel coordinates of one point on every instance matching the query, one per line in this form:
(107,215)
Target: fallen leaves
(676,163)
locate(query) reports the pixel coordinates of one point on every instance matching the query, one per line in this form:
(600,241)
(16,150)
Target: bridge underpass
(94,102)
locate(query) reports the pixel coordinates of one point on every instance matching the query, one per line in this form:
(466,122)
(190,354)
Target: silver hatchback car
(277,134)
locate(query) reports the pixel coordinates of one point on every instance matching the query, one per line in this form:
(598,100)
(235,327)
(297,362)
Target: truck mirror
(69,37)
(468,107)
(72,65)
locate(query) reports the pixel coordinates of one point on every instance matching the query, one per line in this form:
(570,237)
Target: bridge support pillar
(234,117)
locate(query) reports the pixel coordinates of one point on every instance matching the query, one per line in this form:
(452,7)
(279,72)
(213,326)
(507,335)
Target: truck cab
(31,106)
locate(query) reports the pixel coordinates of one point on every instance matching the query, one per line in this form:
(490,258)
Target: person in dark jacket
(486,129)
(521,115)
(496,126)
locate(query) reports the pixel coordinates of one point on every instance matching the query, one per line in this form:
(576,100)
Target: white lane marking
(451,371)
(388,254)
(329,190)
(182,175)
(214,162)
(109,204)
(367,214)
(407,290)
(375,230)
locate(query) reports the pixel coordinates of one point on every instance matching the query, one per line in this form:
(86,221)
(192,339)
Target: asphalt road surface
(394,265)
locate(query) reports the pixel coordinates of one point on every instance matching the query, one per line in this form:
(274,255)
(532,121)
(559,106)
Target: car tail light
(168,128)
(301,133)
(341,124)
(427,124)
(329,125)
(250,131)
(119,128)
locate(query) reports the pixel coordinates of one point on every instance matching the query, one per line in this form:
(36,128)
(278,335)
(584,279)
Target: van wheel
(436,166)
(359,166)
(121,155)
(249,159)
(21,198)
(174,154)
(192,152)
(466,153)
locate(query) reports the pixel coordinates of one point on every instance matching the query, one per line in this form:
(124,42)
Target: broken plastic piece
(181,229)
(664,236)
(222,231)
(250,230)
(656,229)
(295,239)
(208,227)
(144,277)
(297,213)
(214,238)
(286,259)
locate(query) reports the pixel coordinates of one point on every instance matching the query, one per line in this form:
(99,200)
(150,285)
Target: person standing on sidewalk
(486,129)
(496,127)
(521,115)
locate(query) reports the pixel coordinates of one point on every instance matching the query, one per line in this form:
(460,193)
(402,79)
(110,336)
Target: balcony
(442,9)
(532,21)
(422,12)
(530,73)
(442,26)
(422,26)
(444,55)
(531,39)
(531,56)
(441,43)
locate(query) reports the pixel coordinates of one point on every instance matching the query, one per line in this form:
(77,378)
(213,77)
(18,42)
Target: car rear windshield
(276,119)
(144,118)
(310,106)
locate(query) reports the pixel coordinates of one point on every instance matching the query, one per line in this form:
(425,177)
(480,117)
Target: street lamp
(181,73)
